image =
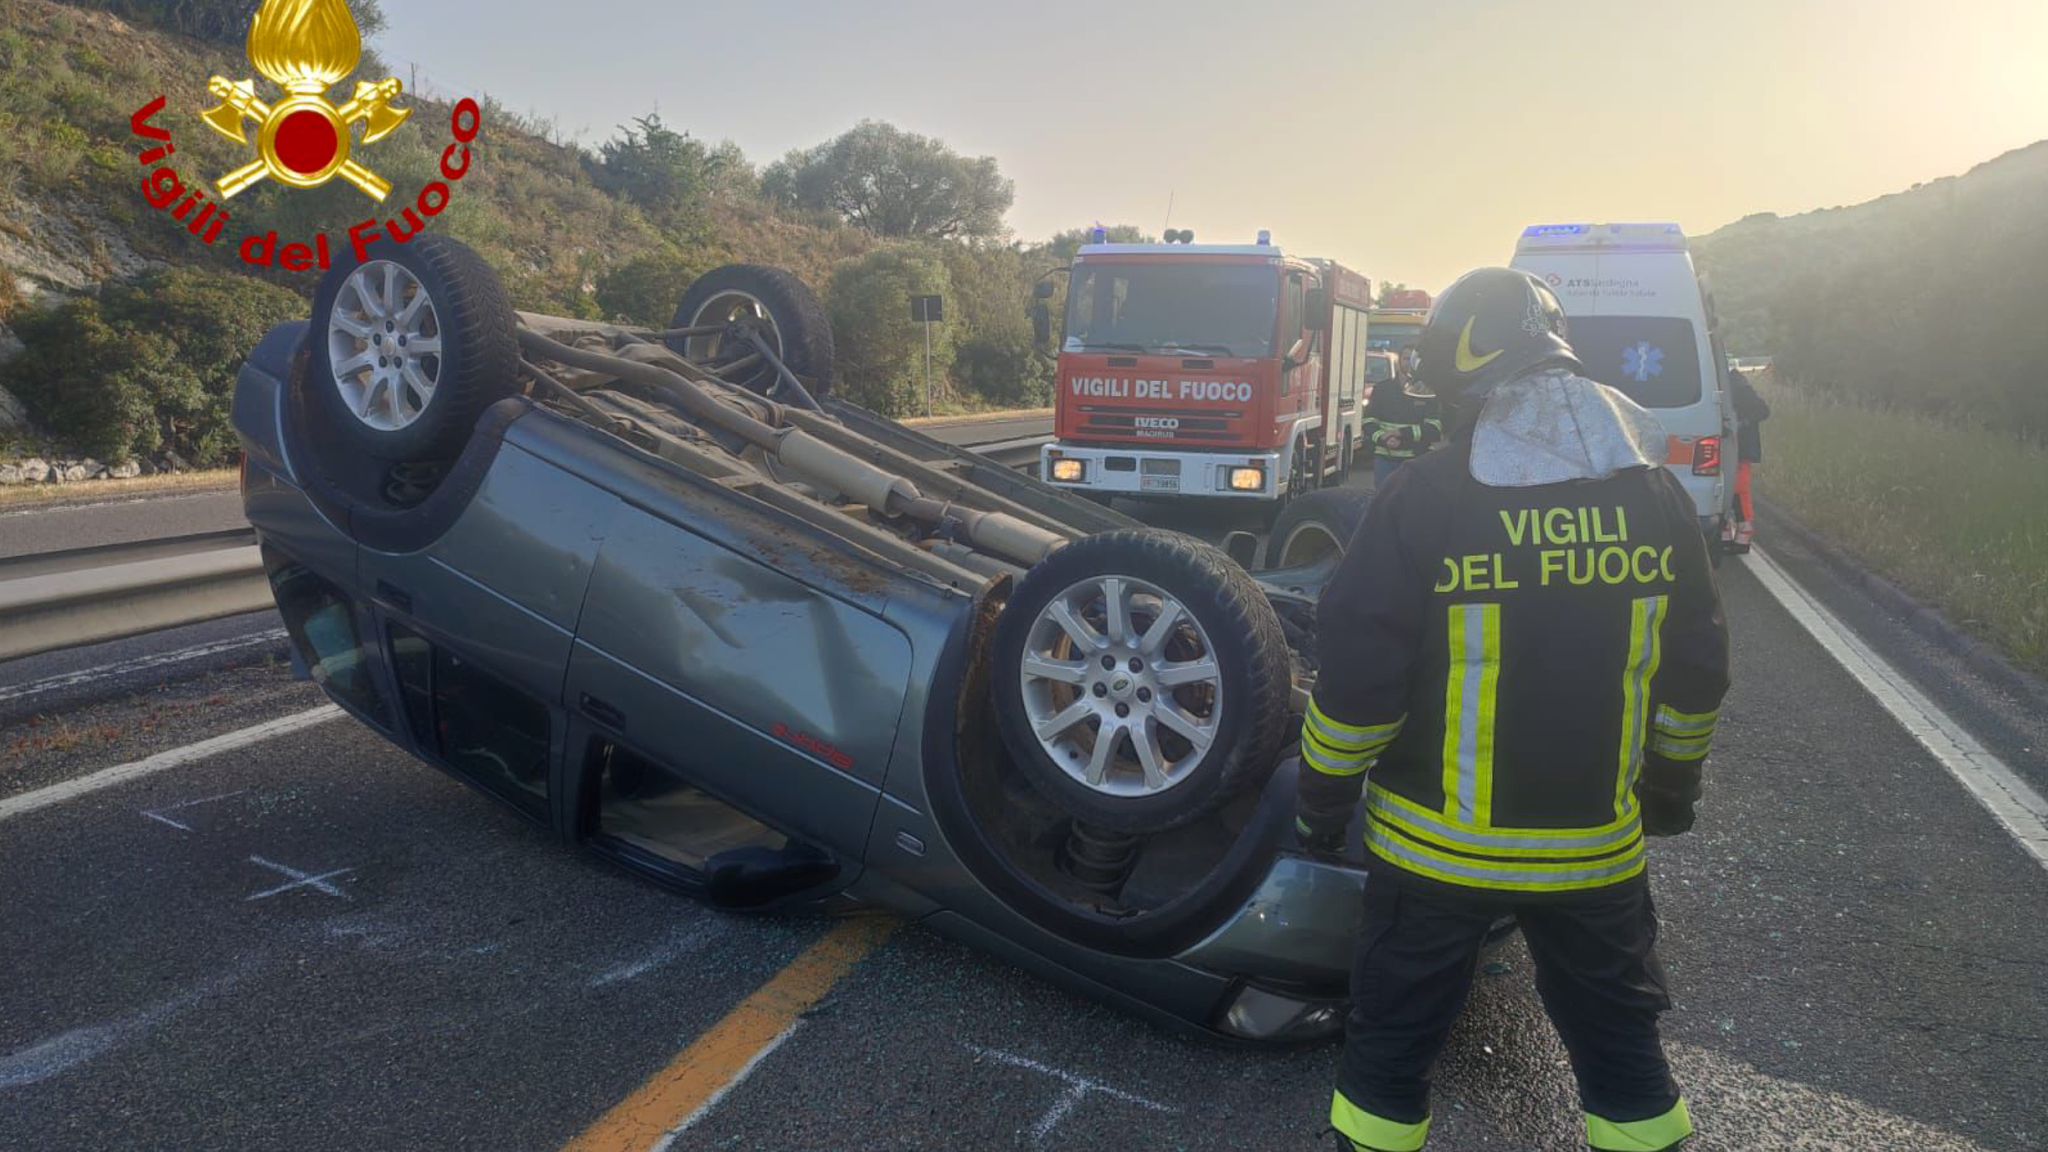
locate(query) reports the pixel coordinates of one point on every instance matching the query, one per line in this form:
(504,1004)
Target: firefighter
(1400,422)
(1522,662)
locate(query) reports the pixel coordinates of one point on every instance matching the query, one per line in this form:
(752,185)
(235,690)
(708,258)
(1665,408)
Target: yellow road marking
(707,1068)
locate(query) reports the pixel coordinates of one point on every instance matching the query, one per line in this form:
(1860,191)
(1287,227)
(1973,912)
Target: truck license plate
(1159,483)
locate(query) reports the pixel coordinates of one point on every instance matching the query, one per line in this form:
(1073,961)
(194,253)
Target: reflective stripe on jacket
(1507,664)
(1393,417)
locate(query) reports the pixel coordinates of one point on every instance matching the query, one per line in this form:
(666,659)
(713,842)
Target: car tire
(1199,708)
(411,407)
(794,322)
(1313,526)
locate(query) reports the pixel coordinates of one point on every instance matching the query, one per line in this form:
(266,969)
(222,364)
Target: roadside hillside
(102,288)
(73,214)
(1927,299)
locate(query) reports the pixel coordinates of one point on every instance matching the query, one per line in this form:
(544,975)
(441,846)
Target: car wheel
(776,305)
(1317,526)
(1141,680)
(409,348)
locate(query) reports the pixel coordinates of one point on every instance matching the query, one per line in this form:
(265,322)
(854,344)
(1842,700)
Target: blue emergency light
(1265,238)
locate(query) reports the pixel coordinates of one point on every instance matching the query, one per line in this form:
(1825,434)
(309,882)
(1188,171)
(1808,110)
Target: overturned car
(660,593)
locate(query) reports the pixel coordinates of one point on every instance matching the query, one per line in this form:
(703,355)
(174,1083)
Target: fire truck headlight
(1247,479)
(1070,471)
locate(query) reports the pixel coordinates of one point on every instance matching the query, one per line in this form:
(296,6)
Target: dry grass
(45,735)
(1957,516)
(982,417)
(95,491)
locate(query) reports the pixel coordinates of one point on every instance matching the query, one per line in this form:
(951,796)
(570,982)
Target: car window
(472,722)
(1655,360)
(322,623)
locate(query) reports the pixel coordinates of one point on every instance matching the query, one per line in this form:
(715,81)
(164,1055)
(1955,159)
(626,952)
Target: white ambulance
(1643,321)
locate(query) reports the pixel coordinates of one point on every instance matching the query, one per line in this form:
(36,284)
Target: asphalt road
(27,531)
(313,942)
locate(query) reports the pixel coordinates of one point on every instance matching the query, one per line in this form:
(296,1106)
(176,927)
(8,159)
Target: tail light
(1706,456)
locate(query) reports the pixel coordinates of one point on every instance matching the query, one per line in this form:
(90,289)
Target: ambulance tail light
(1706,456)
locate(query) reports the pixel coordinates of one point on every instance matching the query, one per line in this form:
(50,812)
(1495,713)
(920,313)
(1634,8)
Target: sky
(1411,141)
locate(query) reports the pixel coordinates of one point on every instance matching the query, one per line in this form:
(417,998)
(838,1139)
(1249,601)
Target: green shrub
(881,349)
(1004,371)
(148,365)
(647,288)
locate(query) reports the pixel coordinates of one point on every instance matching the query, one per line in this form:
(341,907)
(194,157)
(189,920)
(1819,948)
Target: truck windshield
(1392,335)
(1208,309)
(1654,360)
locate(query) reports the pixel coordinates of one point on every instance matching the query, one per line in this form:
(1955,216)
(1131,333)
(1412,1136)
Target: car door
(776,695)
(478,626)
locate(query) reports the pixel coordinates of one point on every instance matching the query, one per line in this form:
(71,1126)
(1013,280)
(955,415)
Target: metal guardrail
(1019,453)
(88,595)
(79,596)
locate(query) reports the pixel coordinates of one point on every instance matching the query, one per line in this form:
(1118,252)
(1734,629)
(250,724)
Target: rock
(175,463)
(146,467)
(13,413)
(10,473)
(34,470)
(72,473)
(124,471)
(93,468)
(54,254)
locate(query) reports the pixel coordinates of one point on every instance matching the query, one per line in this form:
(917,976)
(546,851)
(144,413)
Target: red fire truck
(1207,370)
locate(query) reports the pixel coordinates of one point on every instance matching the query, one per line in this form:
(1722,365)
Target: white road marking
(668,1138)
(300,880)
(1078,1088)
(157,814)
(677,946)
(2009,799)
(139,664)
(26,802)
(61,1053)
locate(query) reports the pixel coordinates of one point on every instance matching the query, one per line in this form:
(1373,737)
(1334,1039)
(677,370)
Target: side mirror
(1042,290)
(1298,355)
(1041,325)
(1242,547)
(1316,305)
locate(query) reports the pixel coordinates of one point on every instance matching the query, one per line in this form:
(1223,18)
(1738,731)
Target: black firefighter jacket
(1503,668)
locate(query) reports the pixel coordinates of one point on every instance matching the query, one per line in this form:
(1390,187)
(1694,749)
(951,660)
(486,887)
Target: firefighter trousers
(1596,970)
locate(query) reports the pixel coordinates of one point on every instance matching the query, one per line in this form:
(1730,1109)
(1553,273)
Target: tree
(728,173)
(1063,245)
(880,348)
(991,305)
(662,170)
(1386,292)
(894,183)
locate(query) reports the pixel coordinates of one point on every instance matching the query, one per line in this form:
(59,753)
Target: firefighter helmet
(1493,325)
